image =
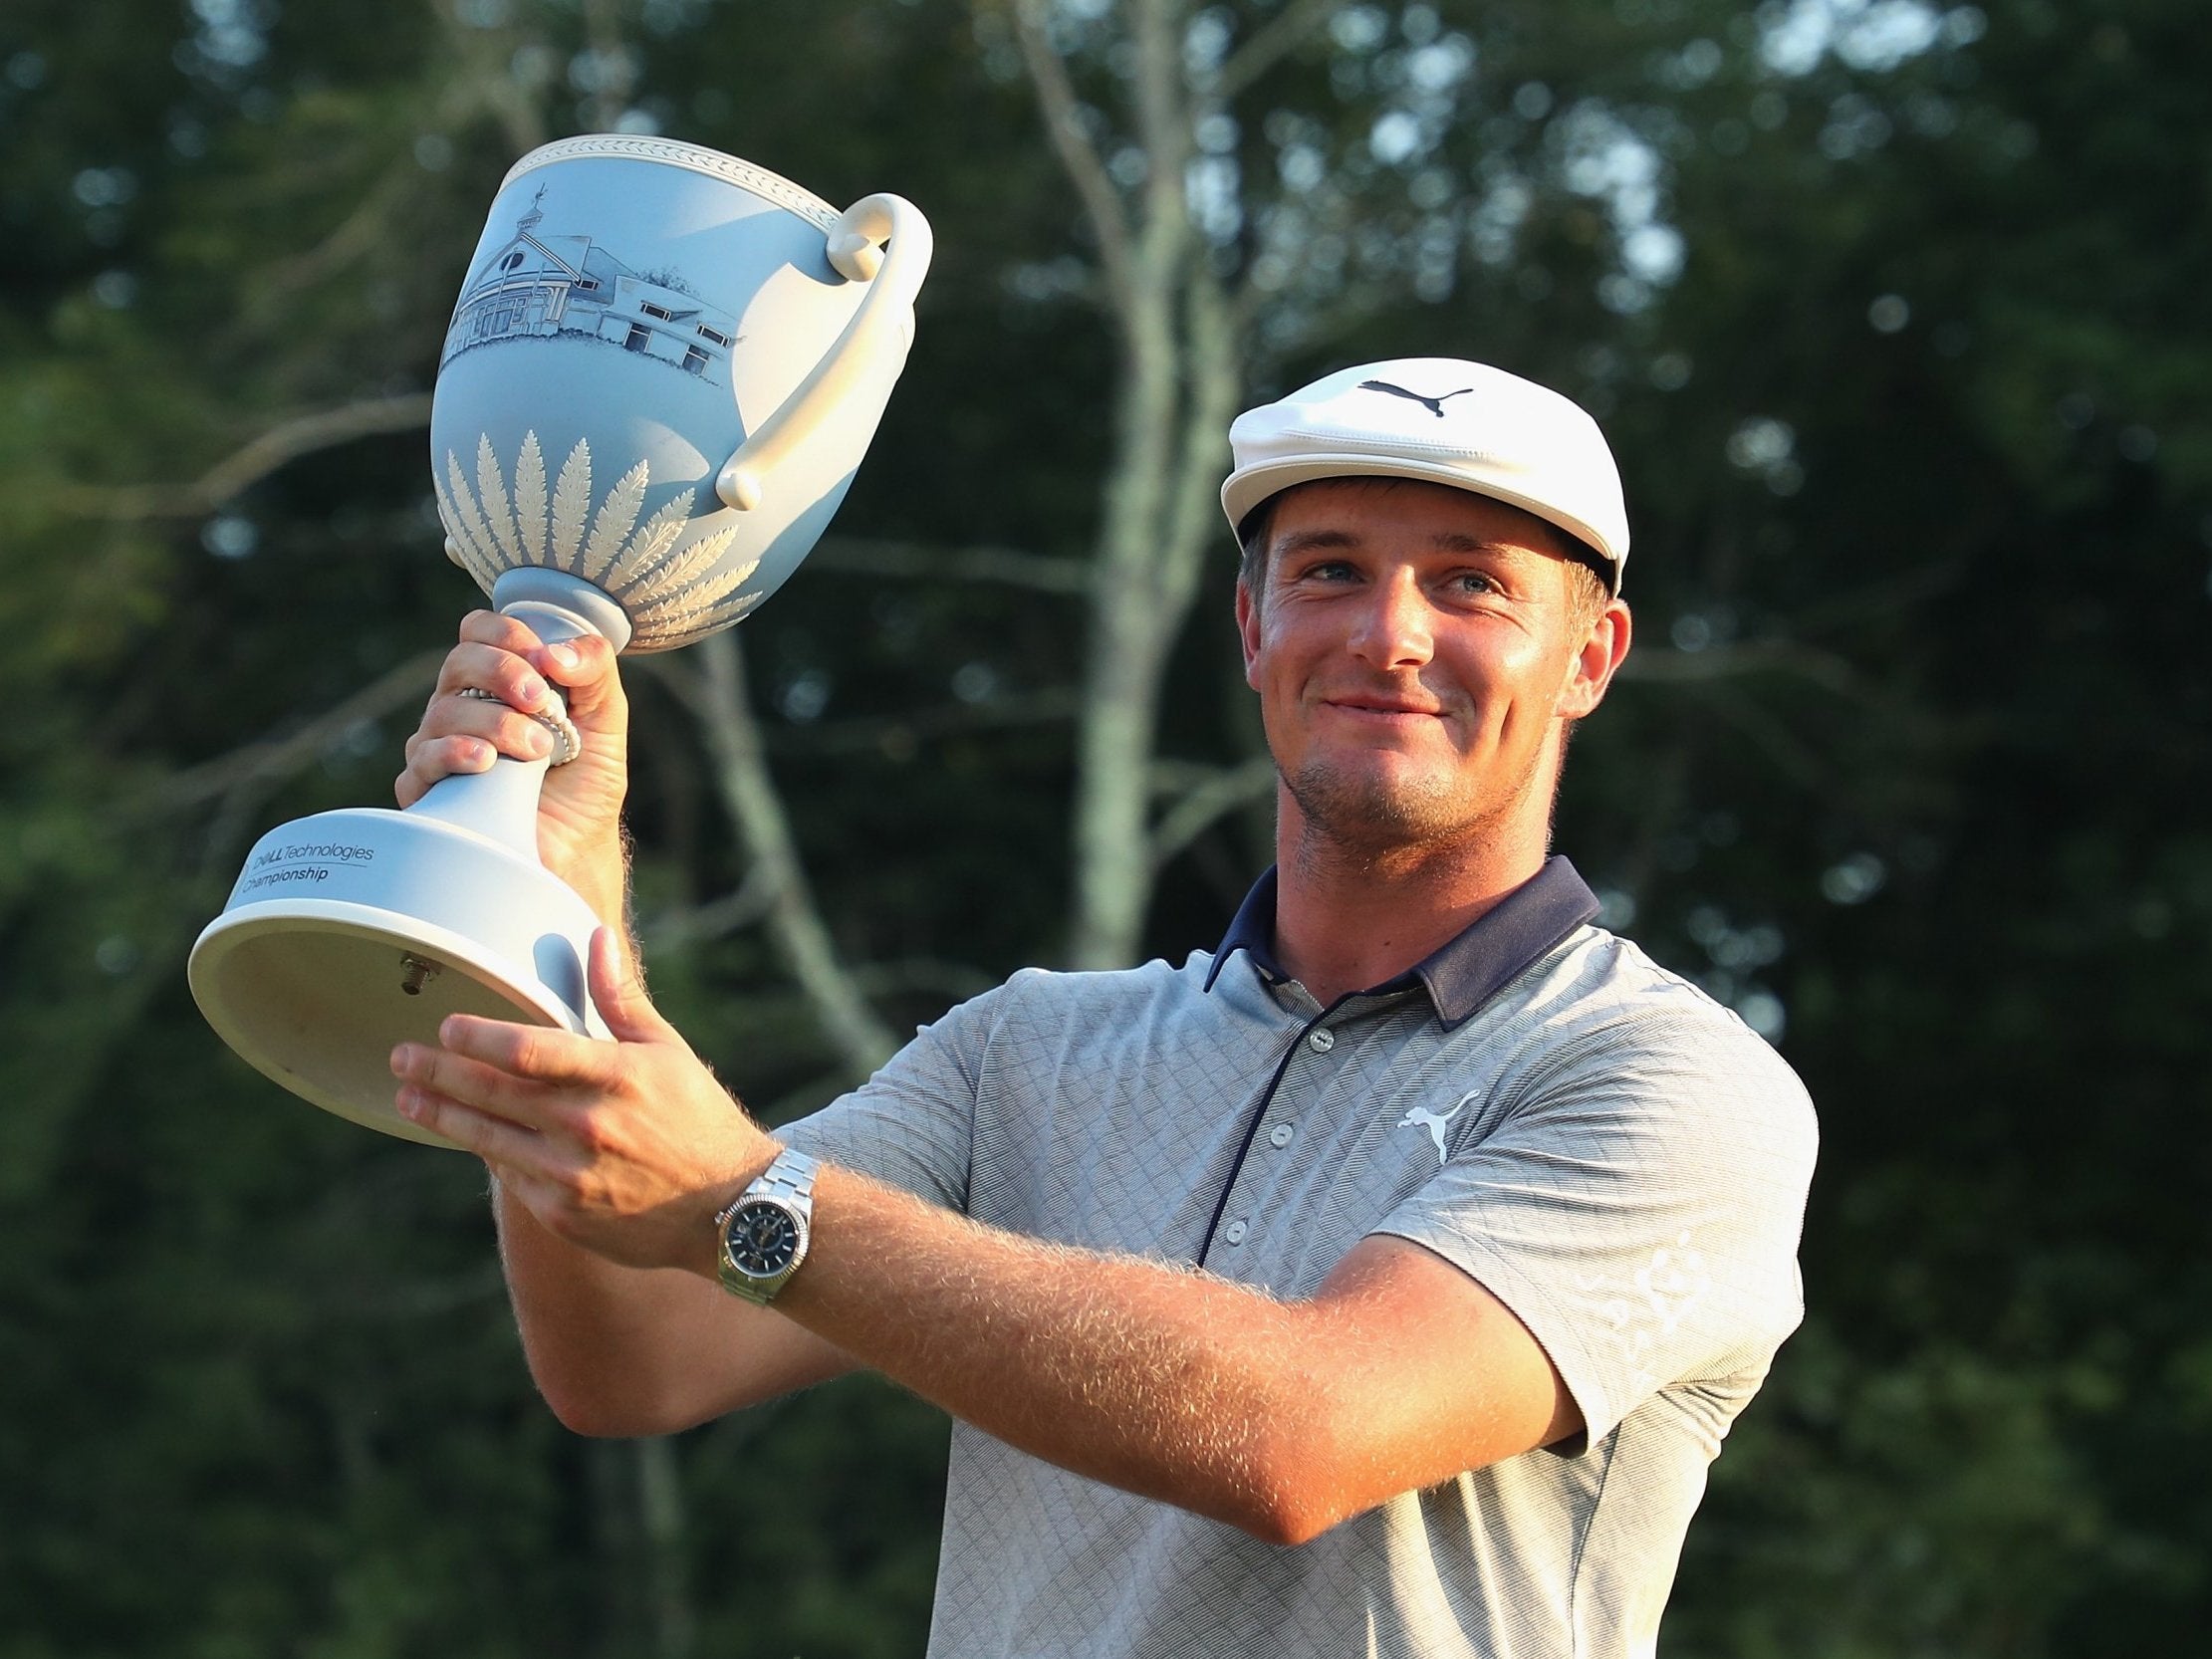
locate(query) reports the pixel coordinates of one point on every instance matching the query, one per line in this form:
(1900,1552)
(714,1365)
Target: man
(1383,1282)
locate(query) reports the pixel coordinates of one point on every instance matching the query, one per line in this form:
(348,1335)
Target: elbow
(1293,1494)
(598,1411)
(1286,1522)
(1290,1513)
(604,1419)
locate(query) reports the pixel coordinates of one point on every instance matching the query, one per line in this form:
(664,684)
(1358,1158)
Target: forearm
(582,1317)
(1172,1384)
(619,1350)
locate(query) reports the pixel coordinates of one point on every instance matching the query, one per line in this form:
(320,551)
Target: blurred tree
(1890,308)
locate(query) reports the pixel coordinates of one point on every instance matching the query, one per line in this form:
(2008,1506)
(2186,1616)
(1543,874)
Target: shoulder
(1600,1015)
(1148,982)
(1598,990)
(1050,993)
(1036,1001)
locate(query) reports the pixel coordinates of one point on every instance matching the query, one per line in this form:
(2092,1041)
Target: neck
(1348,917)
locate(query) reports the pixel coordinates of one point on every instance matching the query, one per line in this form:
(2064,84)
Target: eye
(1475,583)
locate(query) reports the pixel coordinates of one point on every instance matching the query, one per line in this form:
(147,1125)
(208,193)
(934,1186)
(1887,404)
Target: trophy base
(411,919)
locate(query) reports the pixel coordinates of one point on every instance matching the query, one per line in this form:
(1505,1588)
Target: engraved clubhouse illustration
(538,286)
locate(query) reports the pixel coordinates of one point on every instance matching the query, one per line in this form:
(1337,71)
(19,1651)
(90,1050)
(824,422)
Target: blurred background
(1894,310)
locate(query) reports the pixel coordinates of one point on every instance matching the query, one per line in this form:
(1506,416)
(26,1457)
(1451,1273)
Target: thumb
(621,996)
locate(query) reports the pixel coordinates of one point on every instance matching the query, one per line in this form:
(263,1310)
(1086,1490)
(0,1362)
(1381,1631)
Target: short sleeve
(1638,1207)
(913,1124)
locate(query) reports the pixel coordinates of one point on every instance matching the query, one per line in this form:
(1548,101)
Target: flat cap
(1442,420)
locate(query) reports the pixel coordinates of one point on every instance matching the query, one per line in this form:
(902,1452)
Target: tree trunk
(1177,389)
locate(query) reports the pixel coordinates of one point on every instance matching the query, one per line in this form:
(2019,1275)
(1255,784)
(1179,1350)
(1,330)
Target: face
(1418,651)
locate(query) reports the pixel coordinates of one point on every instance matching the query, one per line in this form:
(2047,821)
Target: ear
(1604,647)
(1248,628)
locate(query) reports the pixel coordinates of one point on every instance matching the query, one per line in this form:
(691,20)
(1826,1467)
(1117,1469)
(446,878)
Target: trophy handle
(857,374)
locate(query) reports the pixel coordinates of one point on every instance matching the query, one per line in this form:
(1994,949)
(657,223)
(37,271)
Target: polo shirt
(1608,1151)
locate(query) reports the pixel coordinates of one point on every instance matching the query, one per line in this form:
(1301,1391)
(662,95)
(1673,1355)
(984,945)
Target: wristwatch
(764,1230)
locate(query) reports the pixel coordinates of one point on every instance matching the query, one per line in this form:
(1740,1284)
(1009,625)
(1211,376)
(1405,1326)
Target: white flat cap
(1444,420)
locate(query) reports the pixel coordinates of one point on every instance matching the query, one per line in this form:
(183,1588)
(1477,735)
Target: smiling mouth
(1383,706)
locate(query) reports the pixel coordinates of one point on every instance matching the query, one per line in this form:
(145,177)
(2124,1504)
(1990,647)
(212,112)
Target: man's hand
(490,685)
(627,1148)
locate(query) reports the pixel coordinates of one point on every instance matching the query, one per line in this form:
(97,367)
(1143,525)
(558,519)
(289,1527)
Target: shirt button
(1321,1040)
(1234,1232)
(1280,1135)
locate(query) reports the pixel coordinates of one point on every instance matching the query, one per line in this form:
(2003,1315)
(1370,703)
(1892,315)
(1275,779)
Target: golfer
(1383,1282)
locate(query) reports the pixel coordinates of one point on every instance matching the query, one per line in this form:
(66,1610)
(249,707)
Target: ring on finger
(568,741)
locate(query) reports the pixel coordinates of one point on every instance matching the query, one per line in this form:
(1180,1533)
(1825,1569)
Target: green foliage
(1922,486)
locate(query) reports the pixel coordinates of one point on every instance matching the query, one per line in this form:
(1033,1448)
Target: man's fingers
(492,627)
(448,753)
(482,718)
(585,668)
(495,1139)
(482,709)
(523,1073)
(507,675)
(532,1054)
(475,1082)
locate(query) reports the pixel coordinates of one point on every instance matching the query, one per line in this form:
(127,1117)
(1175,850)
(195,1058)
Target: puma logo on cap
(1434,406)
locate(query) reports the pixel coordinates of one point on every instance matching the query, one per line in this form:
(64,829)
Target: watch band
(789,1176)
(787,1184)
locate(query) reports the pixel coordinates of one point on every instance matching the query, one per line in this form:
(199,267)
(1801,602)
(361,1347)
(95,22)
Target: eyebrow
(1307,541)
(1451,541)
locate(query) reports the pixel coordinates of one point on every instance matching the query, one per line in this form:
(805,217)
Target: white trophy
(663,370)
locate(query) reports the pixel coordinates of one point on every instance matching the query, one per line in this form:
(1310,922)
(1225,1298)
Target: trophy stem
(502,803)
(556,605)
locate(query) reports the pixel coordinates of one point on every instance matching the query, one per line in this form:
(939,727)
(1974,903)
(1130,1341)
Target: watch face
(763,1239)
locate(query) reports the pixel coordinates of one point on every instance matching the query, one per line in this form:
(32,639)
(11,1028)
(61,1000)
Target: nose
(1394,629)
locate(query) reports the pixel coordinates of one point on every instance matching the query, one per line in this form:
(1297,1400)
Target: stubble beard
(1362,820)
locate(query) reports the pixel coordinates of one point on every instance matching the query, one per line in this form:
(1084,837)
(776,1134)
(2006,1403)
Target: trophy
(660,376)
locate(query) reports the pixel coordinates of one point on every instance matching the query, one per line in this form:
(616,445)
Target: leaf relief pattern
(572,505)
(672,590)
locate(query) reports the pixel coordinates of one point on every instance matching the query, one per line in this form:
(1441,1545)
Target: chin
(1377,808)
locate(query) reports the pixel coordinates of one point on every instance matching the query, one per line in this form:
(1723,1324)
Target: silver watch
(765,1231)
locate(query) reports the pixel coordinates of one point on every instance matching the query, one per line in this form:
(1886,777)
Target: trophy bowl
(663,370)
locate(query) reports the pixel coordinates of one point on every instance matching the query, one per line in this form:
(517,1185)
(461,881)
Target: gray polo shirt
(1611,1154)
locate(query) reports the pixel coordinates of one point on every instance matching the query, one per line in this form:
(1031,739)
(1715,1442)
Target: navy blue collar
(1467,971)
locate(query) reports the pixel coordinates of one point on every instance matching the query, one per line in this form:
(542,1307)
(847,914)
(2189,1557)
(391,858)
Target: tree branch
(244,777)
(870,732)
(1272,42)
(1055,97)
(1906,591)
(741,907)
(923,973)
(1784,657)
(1794,760)
(615,66)
(1206,802)
(716,698)
(271,759)
(1728,662)
(1214,381)
(1163,124)
(284,443)
(482,77)
(1008,567)
(356,234)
